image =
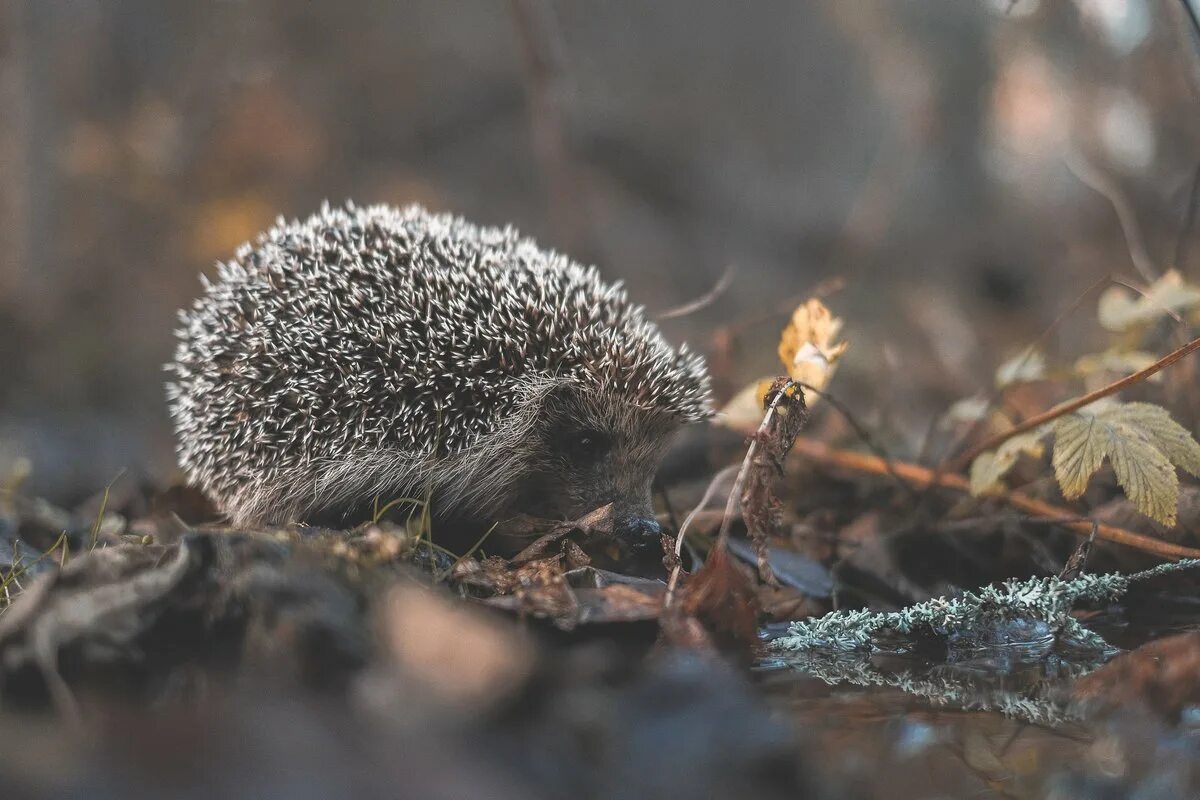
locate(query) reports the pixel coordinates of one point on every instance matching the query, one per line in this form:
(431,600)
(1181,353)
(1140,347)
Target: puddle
(978,721)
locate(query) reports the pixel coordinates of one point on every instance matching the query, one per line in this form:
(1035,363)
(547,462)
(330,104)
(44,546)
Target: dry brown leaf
(807,347)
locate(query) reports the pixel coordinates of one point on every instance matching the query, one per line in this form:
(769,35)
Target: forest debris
(961,462)
(593,532)
(785,418)
(555,578)
(789,567)
(1047,600)
(718,607)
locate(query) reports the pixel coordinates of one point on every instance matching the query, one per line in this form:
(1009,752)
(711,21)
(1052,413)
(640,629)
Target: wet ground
(1002,723)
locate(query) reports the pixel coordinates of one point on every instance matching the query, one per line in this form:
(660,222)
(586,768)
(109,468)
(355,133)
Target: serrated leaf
(1029,365)
(990,467)
(1079,450)
(1143,443)
(1115,360)
(1121,309)
(1167,435)
(1146,475)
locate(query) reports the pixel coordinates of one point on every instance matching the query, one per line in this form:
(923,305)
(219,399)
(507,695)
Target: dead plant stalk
(731,503)
(923,477)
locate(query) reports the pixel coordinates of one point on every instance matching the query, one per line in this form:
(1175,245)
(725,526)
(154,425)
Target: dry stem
(923,477)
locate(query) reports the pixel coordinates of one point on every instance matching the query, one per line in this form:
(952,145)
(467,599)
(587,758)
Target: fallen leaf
(807,346)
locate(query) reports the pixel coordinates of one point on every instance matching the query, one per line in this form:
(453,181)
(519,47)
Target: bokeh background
(952,166)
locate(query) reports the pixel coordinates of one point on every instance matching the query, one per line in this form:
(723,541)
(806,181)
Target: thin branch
(864,436)
(1189,219)
(687,522)
(963,461)
(731,504)
(998,392)
(1096,180)
(705,300)
(923,477)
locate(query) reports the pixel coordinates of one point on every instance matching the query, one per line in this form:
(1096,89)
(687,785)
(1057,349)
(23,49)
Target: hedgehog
(372,353)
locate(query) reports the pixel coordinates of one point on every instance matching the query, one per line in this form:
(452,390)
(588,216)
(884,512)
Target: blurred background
(958,169)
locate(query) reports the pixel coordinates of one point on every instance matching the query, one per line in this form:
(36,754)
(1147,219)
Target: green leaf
(1143,443)
(990,467)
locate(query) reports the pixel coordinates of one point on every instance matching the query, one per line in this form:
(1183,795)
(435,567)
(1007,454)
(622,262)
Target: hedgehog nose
(644,532)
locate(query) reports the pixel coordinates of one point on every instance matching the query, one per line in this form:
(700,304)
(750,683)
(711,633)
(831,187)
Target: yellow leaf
(1143,443)
(1078,452)
(807,346)
(1167,435)
(1121,309)
(990,467)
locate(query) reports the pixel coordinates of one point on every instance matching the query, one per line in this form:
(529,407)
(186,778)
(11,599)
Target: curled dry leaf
(807,345)
(809,354)
(722,599)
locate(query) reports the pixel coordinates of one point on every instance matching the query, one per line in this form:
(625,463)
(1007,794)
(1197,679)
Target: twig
(923,477)
(998,392)
(1189,219)
(705,300)
(1096,180)
(963,461)
(687,521)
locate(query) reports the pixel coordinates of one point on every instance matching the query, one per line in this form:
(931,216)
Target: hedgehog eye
(586,446)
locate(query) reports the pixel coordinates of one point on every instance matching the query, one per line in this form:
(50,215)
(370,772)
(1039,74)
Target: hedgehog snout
(642,533)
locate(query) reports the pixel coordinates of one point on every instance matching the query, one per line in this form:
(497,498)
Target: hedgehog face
(590,449)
